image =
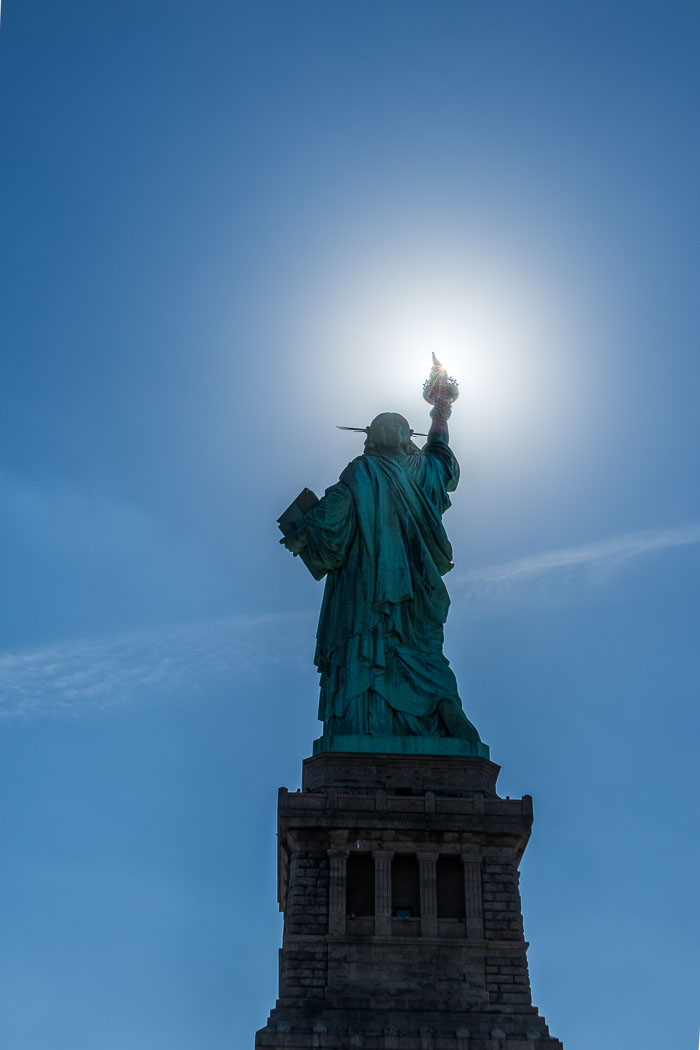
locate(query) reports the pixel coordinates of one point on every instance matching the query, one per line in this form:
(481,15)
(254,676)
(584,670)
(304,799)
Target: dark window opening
(359,897)
(403,791)
(405,885)
(450,888)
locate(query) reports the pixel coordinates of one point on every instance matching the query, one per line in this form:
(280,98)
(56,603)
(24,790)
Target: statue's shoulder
(356,468)
(438,450)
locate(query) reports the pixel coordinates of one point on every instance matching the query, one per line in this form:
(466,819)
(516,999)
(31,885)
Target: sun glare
(496,336)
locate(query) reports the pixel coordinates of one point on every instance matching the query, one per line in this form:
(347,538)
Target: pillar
(382,891)
(428,893)
(473,903)
(338,863)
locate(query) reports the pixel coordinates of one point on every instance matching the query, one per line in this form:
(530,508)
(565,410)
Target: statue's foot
(456,721)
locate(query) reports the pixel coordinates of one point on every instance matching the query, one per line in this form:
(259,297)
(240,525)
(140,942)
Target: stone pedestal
(398,879)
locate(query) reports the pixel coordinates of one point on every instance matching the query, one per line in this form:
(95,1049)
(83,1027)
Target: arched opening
(359,897)
(405,886)
(450,887)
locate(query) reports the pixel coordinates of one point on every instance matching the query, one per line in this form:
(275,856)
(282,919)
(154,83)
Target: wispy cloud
(596,556)
(109,672)
(74,677)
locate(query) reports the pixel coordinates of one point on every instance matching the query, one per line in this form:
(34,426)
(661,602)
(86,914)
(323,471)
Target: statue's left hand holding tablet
(295,541)
(291,522)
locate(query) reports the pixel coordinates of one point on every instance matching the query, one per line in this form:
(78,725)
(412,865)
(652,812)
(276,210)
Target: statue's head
(389,432)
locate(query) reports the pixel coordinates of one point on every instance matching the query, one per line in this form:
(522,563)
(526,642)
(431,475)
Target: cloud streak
(595,556)
(105,673)
(72,678)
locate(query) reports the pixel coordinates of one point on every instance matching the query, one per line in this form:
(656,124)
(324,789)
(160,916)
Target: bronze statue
(377,537)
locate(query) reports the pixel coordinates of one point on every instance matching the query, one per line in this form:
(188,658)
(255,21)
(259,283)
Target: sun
(370,322)
(384,337)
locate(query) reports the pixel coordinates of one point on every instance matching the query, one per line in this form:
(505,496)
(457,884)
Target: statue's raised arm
(377,537)
(440,391)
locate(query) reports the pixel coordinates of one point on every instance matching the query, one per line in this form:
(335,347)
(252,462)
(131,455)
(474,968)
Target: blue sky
(225,229)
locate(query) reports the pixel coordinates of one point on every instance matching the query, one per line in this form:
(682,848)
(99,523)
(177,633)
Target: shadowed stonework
(398,880)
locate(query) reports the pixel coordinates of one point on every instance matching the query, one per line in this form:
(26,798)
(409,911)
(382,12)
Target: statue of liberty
(377,537)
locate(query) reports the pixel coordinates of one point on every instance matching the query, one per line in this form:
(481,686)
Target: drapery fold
(378,535)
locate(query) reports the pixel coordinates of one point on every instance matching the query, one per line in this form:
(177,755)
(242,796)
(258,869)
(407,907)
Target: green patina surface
(402,745)
(377,537)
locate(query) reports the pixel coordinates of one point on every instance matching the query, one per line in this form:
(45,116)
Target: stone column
(338,863)
(473,903)
(382,891)
(428,893)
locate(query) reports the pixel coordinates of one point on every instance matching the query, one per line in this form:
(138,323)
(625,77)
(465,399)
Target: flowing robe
(378,535)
